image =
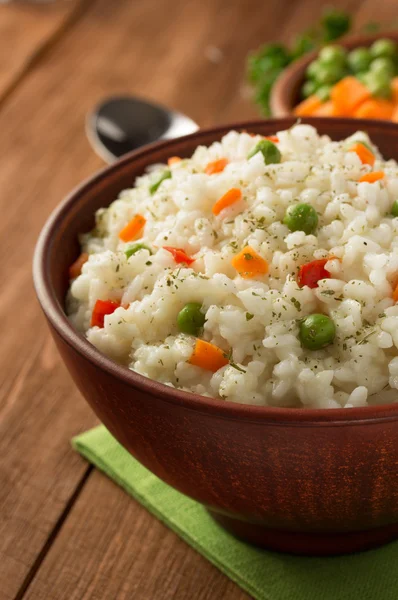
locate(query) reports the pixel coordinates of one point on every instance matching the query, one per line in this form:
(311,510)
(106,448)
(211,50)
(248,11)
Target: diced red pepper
(179,255)
(310,273)
(102,308)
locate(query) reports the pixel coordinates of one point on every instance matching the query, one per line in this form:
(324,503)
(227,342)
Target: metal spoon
(121,124)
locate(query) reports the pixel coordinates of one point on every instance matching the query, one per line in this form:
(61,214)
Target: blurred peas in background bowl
(266,64)
(356,78)
(325,76)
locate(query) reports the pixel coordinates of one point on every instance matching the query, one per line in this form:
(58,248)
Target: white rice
(256,320)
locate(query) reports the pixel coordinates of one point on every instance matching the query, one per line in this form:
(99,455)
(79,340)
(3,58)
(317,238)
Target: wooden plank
(384,12)
(38,471)
(110,547)
(39,407)
(28,30)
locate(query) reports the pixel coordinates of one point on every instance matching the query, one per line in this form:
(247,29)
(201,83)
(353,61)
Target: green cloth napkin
(265,575)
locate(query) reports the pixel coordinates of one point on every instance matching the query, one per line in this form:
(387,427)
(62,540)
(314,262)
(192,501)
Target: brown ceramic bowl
(302,481)
(285,93)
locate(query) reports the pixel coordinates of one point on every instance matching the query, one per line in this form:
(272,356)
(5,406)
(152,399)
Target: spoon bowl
(121,124)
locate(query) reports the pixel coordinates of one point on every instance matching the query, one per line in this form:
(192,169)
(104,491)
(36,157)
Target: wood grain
(110,547)
(38,472)
(39,408)
(190,56)
(29,30)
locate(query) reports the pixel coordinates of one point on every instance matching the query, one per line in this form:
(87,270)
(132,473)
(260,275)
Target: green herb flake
(364,340)
(295,303)
(237,367)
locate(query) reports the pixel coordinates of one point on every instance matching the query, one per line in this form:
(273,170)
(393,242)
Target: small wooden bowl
(302,481)
(285,93)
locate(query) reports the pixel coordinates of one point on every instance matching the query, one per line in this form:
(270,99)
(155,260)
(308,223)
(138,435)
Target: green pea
(378,84)
(309,88)
(329,74)
(135,247)
(323,92)
(317,331)
(362,77)
(191,319)
(383,90)
(383,66)
(333,55)
(394,209)
(312,69)
(165,175)
(383,48)
(269,151)
(301,217)
(359,60)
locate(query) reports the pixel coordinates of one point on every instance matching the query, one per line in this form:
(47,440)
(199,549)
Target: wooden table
(66,531)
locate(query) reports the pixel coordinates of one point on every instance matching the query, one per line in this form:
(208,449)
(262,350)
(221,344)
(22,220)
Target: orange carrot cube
(372,177)
(249,263)
(208,356)
(132,229)
(233,195)
(217,166)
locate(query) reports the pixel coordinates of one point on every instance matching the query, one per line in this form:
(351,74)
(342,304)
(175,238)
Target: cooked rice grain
(255,320)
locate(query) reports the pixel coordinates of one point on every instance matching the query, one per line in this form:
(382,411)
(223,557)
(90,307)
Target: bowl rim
(281,101)
(189,400)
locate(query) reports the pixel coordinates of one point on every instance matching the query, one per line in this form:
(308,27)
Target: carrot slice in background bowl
(327,109)
(372,177)
(348,94)
(308,107)
(375,108)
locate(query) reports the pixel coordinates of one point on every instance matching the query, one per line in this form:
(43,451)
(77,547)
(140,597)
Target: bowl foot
(304,543)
